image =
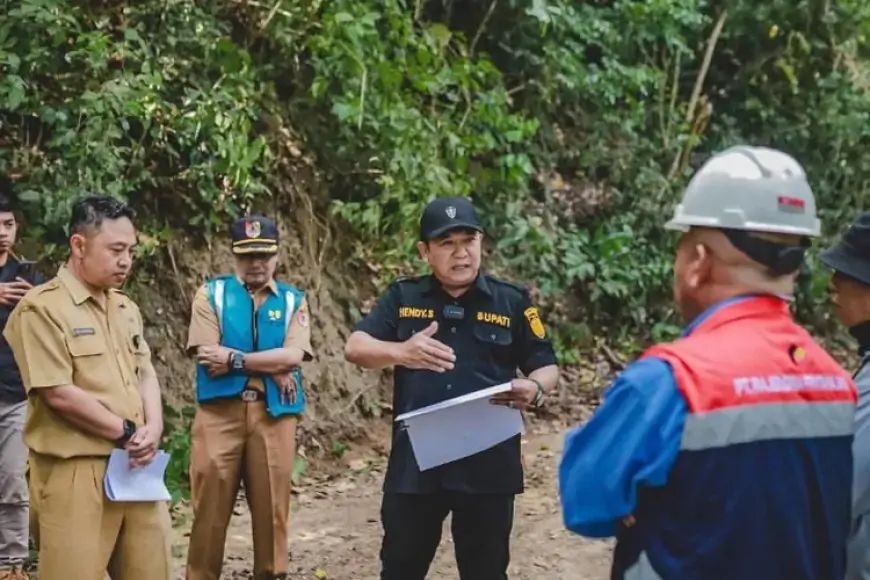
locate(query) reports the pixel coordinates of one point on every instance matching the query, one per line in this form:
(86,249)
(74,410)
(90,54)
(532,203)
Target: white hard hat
(754,189)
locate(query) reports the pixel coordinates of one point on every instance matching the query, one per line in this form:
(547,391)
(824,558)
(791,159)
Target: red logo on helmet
(794,204)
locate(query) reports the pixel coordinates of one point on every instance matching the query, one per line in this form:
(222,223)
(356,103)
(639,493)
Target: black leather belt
(250,395)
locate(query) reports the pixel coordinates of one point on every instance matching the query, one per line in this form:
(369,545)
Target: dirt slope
(336,531)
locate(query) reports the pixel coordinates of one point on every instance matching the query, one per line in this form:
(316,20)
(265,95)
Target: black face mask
(861,332)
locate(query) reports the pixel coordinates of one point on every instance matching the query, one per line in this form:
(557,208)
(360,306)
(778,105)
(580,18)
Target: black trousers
(481,527)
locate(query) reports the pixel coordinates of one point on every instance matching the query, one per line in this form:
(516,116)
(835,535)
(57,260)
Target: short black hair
(7,195)
(93,210)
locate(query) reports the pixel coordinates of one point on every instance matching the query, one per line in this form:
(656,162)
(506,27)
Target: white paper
(460,427)
(139,484)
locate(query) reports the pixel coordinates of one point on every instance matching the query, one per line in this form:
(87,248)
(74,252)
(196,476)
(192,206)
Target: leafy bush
(573,125)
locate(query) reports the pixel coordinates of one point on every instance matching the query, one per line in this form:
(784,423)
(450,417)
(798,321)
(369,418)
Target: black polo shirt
(11,386)
(493,329)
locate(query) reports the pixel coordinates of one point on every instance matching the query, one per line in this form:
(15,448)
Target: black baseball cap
(851,255)
(448,213)
(254,234)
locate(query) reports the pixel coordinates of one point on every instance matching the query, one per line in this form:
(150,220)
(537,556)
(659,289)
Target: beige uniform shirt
(205,329)
(60,335)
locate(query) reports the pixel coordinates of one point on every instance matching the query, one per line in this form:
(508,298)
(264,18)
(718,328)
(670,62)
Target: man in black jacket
(15,280)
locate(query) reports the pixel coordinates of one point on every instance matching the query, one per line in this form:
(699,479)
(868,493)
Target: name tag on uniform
(413,312)
(84,331)
(493,318)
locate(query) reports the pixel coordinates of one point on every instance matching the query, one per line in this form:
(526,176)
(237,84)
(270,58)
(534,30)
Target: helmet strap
(781,259)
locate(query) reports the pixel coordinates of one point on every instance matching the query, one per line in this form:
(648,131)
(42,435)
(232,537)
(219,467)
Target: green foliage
(573,125)
(152,100)
(176,442)
(605,94)
(408,107)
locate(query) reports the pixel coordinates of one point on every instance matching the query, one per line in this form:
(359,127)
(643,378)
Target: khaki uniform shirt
(61,335)
(205,327)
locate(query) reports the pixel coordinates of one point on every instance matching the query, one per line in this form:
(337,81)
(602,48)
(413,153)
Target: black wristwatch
(539,396)
(237,361)
(129,431)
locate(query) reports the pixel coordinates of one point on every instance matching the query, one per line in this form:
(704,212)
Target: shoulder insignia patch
(302,315)
(535,323)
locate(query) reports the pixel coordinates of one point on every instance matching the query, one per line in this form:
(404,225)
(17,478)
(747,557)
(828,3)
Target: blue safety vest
(248,330)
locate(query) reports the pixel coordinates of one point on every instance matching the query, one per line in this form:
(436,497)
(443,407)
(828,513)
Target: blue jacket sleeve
(632,440)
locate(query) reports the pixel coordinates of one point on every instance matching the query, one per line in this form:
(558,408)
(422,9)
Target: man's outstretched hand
(421,351)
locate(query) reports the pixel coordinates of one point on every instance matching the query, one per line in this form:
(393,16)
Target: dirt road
(335,530)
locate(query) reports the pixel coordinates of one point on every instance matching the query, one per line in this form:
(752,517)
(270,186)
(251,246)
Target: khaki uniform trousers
(233,441)
(82,535)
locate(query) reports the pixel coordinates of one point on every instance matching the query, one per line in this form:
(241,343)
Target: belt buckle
(250,396)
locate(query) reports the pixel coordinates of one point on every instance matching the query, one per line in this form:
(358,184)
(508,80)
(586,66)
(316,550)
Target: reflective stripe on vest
(768,395)
(290,303)
(219,286)
(767,421)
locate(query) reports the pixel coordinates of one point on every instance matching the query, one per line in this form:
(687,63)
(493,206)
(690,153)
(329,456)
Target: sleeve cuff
(539,361)
(373,332)
(49,382)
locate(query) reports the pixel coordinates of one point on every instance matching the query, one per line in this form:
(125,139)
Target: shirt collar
(712,310)
(74,286)
(271,285)
(431,284)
